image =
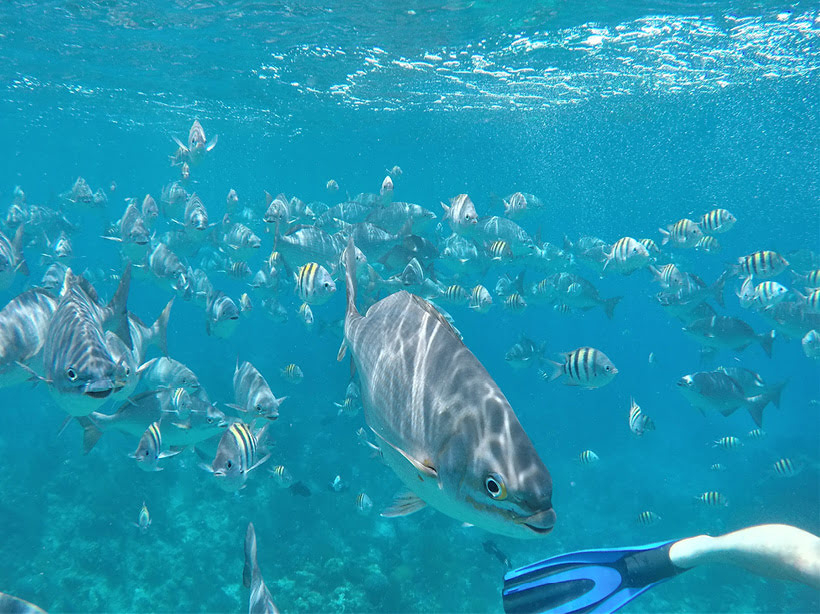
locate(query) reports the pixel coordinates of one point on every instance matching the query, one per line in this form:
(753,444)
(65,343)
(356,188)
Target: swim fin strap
(589,581)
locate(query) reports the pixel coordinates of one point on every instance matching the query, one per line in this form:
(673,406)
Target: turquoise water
(621,120)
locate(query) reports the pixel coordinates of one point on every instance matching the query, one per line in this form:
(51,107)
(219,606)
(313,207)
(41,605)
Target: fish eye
(71,374)
(259,409)
(229,464)
(127,370)
(608,368)
(495,487)
(327,285)
(146,453)
(211,421)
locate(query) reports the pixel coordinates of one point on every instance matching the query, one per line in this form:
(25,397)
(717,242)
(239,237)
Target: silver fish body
(443,425)
(78,364)
(252,393)
(24,323)
(261,601)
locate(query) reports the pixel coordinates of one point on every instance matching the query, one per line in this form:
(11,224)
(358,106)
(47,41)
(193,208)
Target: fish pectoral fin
(404,504)
(424,468)
(169,453)
(258,463)
(342,351)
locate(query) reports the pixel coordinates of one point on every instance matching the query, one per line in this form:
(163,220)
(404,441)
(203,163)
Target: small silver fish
(149,451)
(144,520)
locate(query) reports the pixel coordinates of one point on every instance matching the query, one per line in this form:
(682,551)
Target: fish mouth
(99,394)
(540,523)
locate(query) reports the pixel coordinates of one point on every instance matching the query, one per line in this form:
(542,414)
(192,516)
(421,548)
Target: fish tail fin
(755,407)
(118,308)
(556,371)
(775,391)
(91,433)
(666,235)
(160,328)
(717,288)
(250,555)
(766,340)
(609,306)
(350,277)
(17,247)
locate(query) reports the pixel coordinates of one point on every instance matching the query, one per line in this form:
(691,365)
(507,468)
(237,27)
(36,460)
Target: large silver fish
(442,423)
(14,605)
(78,364)
(23,326)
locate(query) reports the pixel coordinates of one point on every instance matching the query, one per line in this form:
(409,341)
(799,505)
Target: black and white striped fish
(786,468)
(626,256)
(588,457)
(712,498)
(240,451)
(763,264)
(261,601)
(585,367)
(647,518)
(729,442)
(717,221)
(684,233)
(639,422)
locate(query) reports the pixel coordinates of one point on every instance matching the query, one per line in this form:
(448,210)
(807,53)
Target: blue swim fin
(599,581)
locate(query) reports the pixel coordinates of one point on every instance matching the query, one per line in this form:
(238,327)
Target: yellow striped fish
(238,454)
(314,284)
(500,250)
(149,450)
(717,467)
(768,294)
(757,434)
(683,233)
(456,294)
(292,373)
(650,246)
(281,476)
(717,221)
(588,457)
(763,264)
(712,498)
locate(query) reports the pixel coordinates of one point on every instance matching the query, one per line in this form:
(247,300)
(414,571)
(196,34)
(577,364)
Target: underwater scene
(425,291)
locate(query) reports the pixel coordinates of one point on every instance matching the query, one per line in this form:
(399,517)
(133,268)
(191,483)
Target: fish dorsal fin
(404,504)
(429,308)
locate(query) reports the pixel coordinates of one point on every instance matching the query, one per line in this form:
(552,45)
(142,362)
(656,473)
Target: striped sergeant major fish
(648,517)
(712,498)
(626,256)
(709,244)
(588,457)
(717,221)
(79,368)
(669,276)
(763,264)
(683,233)
(787,468)
(144,519)
(810,280)
(441,422)
(314,285)
(261,601)
(239,452)
(639,422)
(500,250)
(585,367)
(149,450)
